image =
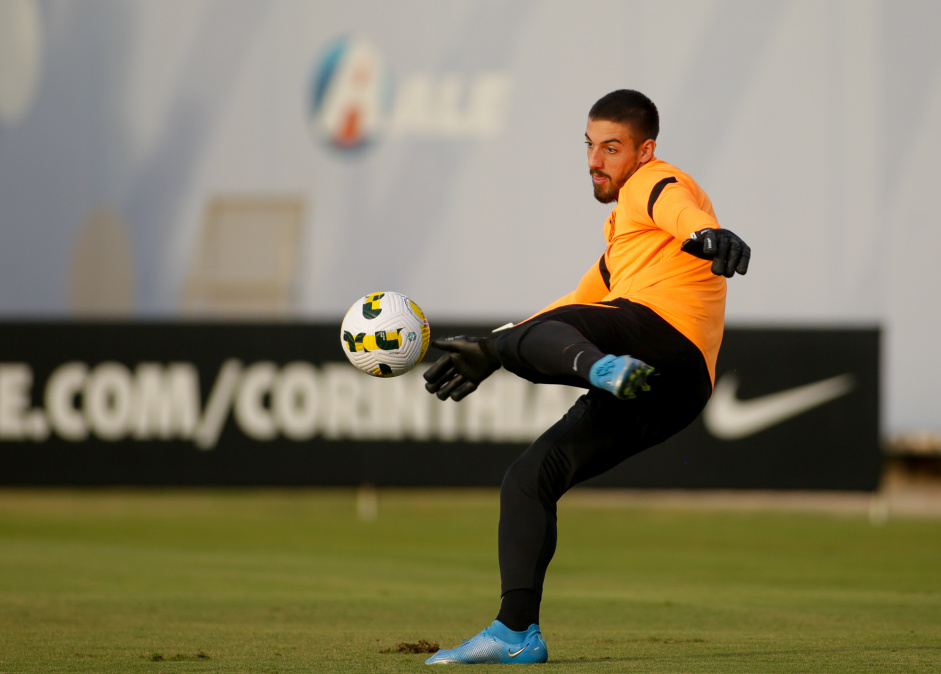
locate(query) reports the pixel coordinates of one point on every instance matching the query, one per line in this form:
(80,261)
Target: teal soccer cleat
(622,376)
(496,645)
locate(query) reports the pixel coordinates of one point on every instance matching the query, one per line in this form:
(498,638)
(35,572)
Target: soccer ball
(385,334)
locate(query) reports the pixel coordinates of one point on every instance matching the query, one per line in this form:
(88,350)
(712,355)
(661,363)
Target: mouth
(599,178)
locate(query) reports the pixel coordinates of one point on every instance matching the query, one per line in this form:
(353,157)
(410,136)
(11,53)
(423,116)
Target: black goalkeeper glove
(729,254)
(468,361)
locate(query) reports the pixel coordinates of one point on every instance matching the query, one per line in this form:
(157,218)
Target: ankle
(504,633)
(519,609)
(600,370)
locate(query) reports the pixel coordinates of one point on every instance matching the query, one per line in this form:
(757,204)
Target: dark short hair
(631,108)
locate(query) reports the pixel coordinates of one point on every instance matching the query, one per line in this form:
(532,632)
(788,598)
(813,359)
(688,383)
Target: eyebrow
(603,142)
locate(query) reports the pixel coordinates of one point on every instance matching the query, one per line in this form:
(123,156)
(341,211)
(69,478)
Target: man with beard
(641,332)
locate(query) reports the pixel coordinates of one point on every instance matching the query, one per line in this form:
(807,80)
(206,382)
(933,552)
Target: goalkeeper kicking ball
(385,334)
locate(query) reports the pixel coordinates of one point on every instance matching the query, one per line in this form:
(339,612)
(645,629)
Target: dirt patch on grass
(177,657)
(421,646)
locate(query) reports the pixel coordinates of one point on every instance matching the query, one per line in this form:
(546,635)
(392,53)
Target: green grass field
(295,581)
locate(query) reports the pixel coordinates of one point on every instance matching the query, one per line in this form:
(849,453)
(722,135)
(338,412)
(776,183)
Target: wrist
(489,347)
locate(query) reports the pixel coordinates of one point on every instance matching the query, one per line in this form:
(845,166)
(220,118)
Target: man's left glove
(466,363)
(729,254)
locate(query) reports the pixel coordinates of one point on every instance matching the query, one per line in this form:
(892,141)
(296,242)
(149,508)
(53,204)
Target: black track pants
(598,432)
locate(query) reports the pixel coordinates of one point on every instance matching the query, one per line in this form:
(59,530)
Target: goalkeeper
(641,332)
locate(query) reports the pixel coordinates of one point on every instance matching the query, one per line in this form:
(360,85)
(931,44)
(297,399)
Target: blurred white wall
(813,124)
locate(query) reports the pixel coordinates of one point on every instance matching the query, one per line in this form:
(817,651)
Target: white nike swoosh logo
(729,418)
(513,655)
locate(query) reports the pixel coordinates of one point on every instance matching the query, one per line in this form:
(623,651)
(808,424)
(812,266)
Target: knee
(519,483)
(544,481)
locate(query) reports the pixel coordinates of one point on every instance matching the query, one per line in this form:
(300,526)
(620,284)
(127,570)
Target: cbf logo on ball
(352,93)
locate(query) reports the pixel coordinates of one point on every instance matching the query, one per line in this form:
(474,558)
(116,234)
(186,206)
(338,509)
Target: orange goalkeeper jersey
(658,208)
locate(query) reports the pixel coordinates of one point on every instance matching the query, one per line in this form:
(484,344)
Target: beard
(607,192)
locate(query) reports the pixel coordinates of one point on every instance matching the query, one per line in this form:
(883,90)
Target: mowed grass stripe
(294,581)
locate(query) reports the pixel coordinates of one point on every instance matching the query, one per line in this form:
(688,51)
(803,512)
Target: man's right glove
(729,254)
(466,363)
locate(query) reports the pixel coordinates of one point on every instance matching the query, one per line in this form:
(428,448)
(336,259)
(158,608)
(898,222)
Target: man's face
(613,156)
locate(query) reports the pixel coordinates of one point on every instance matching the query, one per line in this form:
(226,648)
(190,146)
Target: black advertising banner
(181,403)
(791,409)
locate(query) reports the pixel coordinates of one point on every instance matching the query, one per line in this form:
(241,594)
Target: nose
(595,158)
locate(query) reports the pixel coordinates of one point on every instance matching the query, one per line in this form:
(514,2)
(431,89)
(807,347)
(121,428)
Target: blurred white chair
(245,263)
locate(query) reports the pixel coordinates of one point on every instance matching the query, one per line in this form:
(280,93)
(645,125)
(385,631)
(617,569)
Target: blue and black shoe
(623,376)
(496,645)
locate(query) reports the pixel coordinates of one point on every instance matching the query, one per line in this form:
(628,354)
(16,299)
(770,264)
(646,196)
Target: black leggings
(599,431)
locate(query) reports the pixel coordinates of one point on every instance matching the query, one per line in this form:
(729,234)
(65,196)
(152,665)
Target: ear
(647,149)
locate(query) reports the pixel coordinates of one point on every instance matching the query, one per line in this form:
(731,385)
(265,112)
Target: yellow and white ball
(385,334)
